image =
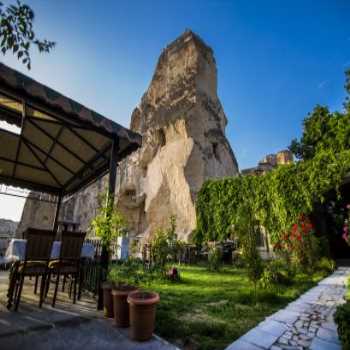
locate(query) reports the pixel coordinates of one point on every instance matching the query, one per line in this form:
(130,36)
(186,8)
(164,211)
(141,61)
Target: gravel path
(306,323)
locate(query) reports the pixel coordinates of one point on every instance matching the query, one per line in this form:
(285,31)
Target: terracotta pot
(120,305)
(107,299)
(142,306)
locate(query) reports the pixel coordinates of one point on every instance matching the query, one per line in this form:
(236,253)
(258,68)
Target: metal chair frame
(68,263)
(37,257)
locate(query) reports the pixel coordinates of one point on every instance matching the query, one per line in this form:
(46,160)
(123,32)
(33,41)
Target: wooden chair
(36,261)
(68,263)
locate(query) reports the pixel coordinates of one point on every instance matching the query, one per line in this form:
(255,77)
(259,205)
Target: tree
(17,34)
(323,129)
(109,223)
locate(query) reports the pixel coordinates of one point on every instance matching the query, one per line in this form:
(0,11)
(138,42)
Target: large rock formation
(183,126)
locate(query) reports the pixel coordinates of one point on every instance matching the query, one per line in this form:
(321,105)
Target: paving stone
(283,340)
(328,335)
(304,343)
(273,327)
(242,345)
(319,344)
(329,325)
(259,338)
(285,316)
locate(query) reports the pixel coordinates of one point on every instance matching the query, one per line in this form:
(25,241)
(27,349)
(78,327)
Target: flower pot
(107,299)
(120,305)
(142,307)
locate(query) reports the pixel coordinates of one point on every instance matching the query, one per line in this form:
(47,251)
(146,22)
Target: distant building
(7,231)
(270,162)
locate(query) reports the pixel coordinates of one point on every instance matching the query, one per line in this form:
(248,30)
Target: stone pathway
(306,323)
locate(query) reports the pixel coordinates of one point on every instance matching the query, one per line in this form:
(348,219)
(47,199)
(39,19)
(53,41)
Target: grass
(209,310)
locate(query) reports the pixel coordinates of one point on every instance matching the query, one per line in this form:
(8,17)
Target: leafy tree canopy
(324,130)
(17,34)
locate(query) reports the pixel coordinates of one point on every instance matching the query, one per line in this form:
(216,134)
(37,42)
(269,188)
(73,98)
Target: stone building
(182,123)
(270,162)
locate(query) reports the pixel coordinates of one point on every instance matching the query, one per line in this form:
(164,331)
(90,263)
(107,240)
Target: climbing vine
(275,200)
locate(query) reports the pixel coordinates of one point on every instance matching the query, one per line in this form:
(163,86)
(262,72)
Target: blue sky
(276,59)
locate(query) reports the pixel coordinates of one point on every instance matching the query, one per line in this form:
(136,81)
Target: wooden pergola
(62,146)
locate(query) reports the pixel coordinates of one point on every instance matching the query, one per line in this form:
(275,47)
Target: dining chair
(35,263)
(68,263)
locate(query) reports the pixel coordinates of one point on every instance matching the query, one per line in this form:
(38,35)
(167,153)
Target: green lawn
(209,310)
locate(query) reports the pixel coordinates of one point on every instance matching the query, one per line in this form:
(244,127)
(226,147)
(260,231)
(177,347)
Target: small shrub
(160,250)
(165,247)
(253,260)
(275,274)
(342,318)
(237,259)
(130,272)
(214,258)
(326,265)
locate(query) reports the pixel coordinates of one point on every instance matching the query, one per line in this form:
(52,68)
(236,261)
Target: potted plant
(125,279)
(142,307)
(108,225)
(143,304)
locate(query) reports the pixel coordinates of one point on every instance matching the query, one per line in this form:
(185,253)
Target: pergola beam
(53,144)
(46,154)
(20,138)
(42,163)
(22,163)
(83,139)
(63,117)
(56,141)
(81,171)
(30,185)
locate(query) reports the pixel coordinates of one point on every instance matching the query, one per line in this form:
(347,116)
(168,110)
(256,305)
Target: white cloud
(322,84)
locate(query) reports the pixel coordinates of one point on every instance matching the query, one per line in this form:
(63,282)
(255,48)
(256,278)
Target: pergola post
(110,202)
(57,212)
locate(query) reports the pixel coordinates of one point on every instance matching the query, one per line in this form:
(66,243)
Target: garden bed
(209,310)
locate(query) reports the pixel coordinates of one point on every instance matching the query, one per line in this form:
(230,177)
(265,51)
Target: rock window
(131,194)
(216,151)
(161,138)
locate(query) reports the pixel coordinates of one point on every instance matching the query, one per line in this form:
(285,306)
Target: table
(17,249)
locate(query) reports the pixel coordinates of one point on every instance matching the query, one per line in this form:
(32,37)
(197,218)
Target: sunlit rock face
(183,126)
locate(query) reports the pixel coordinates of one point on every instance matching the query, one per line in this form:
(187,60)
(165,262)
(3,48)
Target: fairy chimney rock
(183,125)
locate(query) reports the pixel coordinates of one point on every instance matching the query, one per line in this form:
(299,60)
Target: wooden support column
(110,202)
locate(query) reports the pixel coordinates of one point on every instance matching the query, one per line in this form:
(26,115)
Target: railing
(92,273)
(187,254)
